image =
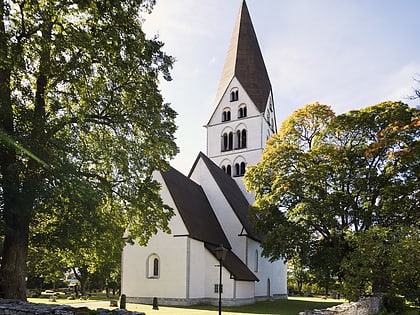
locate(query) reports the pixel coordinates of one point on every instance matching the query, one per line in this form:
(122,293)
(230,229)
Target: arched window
(238,140)
(224,168)
(242,111)
(243,166)
(153,266)
(224,142)
(230,146)
(229,170)
(226,114)
(237,169)
(234,95)
(243,140)
(227,141)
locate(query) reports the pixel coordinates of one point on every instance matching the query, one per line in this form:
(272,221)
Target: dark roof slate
(201,222)
(245,61)
(236,267)
(194,208)
(232,193)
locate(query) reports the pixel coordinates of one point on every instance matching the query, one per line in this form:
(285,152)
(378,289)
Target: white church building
(210,204)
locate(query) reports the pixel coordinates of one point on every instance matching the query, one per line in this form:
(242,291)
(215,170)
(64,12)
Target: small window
(229,170)
(243,166)
(243,142)
(240,139)
(227,141)
(240,169)
(216,288)
(234,95)
(242,111)
(237,169)
(226,114)
(153,266)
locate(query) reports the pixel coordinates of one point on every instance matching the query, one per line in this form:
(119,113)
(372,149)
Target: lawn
(293,305)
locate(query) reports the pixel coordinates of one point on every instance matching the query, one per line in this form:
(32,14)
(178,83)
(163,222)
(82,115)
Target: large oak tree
(82,121)
(328,184)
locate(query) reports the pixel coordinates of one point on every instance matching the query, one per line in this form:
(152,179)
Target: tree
(416,90)
(81,116)
(331,180)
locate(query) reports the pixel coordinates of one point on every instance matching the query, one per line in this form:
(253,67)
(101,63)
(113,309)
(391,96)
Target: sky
(348,54)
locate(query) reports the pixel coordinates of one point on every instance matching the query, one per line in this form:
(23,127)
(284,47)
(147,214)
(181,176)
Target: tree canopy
(335,191)
(82,123)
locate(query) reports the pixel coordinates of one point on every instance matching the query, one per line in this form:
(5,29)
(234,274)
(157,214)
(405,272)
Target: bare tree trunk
(13,267)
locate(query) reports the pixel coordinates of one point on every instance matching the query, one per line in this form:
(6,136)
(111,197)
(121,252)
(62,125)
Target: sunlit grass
(283,307)
(291,306)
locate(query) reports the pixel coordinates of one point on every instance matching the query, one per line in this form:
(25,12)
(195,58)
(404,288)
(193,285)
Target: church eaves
(244,60)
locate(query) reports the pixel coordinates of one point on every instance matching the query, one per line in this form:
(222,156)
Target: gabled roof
(194,208)
(201,222)
(236,267)
(244,60)
(232,193)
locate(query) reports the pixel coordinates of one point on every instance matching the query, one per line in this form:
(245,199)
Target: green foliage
(83,126)
(394,304)
(334,191)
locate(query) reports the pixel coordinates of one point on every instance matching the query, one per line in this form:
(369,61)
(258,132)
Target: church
(211,204)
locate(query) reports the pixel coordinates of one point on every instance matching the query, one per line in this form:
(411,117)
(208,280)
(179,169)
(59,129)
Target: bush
(394,304)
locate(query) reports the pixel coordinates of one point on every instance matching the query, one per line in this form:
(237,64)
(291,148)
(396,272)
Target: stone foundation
(368,306)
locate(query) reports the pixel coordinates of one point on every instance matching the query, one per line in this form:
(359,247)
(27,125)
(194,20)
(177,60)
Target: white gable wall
(225,214)
(172,259)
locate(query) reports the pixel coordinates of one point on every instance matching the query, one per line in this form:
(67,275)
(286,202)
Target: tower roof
(244,60)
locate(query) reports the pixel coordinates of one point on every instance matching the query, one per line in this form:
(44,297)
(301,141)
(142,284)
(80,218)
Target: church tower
(244,115)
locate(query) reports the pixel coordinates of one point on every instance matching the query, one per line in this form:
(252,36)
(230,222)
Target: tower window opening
(226,115)
(242,111)
(240,169)
(229,170)
(240,141)
(234,95)
(227,141)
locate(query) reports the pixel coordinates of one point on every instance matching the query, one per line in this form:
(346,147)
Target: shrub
(394,304)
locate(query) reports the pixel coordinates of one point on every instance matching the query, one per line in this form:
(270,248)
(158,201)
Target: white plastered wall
(172,280)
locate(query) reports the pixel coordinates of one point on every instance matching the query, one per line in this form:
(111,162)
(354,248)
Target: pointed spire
(244,60)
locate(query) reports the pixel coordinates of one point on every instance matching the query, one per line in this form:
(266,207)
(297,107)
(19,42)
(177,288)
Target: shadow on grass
(292,306)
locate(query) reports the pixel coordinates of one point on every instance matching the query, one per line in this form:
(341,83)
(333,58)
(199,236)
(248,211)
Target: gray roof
(201,222)
(236,267)
(232,193)
(194,208)
(244,60)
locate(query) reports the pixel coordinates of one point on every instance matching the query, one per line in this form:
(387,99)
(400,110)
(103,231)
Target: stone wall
(14,307)
(366,306)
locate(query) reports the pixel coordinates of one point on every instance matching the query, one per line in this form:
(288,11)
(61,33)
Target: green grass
(283,307)
(291,306)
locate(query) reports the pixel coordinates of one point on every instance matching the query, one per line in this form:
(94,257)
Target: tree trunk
(15,246)
(83,276)
(13,267)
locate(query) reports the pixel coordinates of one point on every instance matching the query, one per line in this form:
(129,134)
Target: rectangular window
(216,288)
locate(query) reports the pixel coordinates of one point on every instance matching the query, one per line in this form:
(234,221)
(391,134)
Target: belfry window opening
(234,95)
